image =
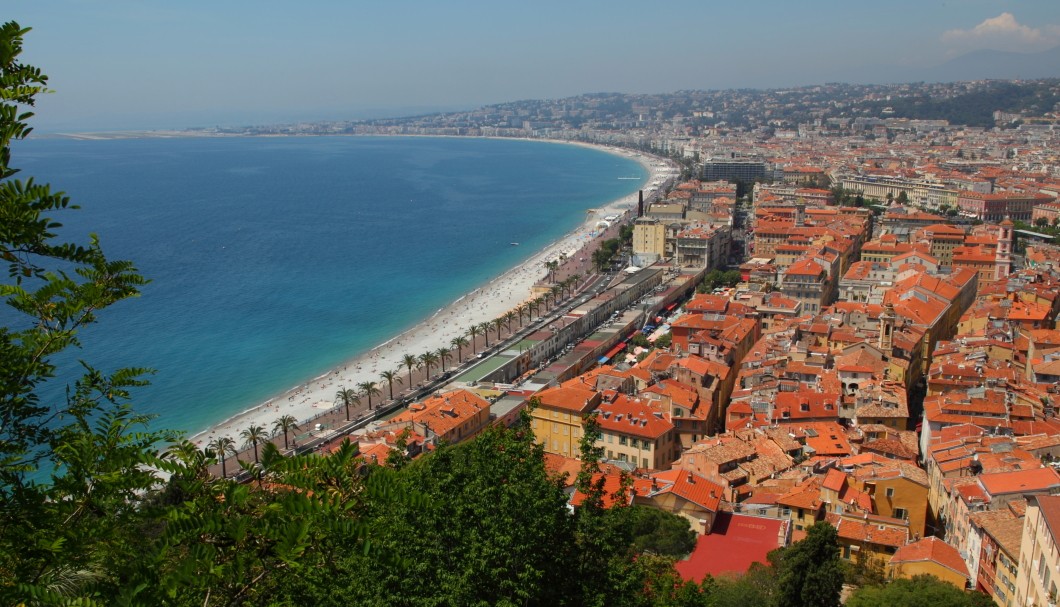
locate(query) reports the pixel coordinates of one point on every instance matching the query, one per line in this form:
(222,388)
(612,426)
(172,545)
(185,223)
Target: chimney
(640,203)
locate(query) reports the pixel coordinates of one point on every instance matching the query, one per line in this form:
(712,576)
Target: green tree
(473,331)
(57,538)
(509,316)
(252,435)
(662,533)
(459,342)
(347,397)
(810,572)
(410,361)
(222,446)
(443,355)
(369,389)
(284,425)
(921,591)
(390,377)
(427,360)
(484,330)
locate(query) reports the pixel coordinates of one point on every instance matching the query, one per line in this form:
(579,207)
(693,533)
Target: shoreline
(488,301)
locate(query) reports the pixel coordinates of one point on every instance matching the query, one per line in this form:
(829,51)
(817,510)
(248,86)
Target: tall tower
(800,214)
(887,330)
(640,203)
(1003,257)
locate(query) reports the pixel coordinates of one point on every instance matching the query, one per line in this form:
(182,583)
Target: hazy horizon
(128,64)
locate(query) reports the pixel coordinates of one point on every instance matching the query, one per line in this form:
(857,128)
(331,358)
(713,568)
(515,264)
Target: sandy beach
(485,303)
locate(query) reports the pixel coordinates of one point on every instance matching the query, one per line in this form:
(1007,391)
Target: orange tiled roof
(931,549)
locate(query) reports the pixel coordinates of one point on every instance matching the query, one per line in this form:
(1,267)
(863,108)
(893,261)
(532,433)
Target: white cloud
(1003,33)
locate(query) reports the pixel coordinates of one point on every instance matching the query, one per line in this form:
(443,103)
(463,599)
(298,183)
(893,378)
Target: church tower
(887,330)
(1003,257)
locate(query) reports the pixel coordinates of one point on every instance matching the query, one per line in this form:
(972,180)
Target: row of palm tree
(254,434)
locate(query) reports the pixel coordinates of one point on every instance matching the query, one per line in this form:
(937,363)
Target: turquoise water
(273,260)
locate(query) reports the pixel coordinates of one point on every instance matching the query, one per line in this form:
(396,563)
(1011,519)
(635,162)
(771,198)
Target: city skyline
(133,65)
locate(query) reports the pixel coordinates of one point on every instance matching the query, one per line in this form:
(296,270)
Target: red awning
(671,306)
(615,350)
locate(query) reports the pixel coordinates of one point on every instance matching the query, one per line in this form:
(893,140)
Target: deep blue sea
(273,260)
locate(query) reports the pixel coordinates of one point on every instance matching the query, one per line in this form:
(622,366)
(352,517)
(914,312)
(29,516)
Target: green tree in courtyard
(390,377)
(347,397)
(285,425)
(921,591)
(658,532)
(810,572)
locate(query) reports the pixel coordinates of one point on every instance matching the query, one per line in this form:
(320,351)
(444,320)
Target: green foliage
(662,533)
(719,278)
(921,591)
(810,573)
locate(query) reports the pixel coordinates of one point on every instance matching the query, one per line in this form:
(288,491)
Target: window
(644,462)
(889,492)
(901,513)
(622,440)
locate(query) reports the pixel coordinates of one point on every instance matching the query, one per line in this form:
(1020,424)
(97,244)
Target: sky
(138,64)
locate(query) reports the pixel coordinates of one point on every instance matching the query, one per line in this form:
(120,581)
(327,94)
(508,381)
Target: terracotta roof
(931,549)
(689,486)
(1020,481)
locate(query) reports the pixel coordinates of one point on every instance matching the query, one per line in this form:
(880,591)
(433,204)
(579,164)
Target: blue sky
(170,64)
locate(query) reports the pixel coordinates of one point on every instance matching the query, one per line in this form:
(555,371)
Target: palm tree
(508,317)
(285,424)
(498,324)
(369,389)
(252,436)
(484,328)
(522,310)
(390,377)
(473,332)
(534,304)
(574,280)
(564,286)
(459,342)
(557,293)
(221,446)
(546,296)
(347,396)
(443,355)
(427,360)
(409,361)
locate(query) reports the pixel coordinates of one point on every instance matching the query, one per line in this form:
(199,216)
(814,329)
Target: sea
(274,259)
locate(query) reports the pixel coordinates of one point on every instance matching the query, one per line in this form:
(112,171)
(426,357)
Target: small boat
(514,244)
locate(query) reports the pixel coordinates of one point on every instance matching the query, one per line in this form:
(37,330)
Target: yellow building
(649,238)
(557,419)
(1039,566)
(898,491)
(930,556)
